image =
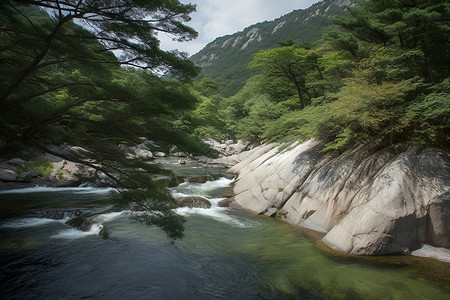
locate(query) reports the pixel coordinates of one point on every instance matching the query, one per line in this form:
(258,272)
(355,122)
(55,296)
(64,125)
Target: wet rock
(80,223)
(271,211)
(225,203)
(85,224)
(59,215)
(194,201)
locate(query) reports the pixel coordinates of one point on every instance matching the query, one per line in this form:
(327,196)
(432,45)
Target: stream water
(226,254)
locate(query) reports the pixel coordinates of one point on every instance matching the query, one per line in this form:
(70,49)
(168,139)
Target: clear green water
(225,254)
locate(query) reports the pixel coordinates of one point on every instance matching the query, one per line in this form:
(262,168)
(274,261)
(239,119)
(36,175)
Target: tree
(207,87)
(287,62)
(126,27)
(411,25)
(62,83)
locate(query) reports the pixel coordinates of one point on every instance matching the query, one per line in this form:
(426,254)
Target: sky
(216,18)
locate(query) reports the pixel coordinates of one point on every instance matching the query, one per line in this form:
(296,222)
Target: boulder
(180,154)
(236,148)
(225,203)
(85,224)
(8,175)
(160,154)
(194,201)
(366,200)
(17,162)
(29,176)
(228,147)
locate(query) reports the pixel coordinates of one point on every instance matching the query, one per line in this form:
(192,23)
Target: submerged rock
(194,201)
(86,224)
(367,201)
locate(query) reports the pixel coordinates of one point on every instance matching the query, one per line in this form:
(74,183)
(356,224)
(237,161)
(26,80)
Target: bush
(43,166)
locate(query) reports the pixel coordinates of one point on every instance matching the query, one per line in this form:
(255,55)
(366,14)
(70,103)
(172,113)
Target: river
(226,254)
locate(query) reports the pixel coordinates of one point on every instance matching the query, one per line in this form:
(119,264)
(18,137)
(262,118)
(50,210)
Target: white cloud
(216,18)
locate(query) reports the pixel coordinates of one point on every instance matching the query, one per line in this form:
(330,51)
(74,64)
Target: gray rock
(135,152)
(228,147)
(180,154)
(194,201)
(160,154)
(143,146)
(29,176)
(367,202)
(17,162)
(8,175)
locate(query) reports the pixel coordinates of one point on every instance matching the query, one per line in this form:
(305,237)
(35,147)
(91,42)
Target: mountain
(226,58)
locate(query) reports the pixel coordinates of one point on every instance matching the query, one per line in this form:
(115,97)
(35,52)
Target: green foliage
(289,63)
(60,174)
(206,87)
(299,125)
(226,59)
(62,84)
(429,115)
(409,25)
(43,166)
(383,74)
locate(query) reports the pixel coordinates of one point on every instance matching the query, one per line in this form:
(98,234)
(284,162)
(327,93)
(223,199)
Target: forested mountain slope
(226,59)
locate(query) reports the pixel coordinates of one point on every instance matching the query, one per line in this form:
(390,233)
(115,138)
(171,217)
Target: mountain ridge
(226,58)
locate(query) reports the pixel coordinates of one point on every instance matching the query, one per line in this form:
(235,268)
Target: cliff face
(368,201)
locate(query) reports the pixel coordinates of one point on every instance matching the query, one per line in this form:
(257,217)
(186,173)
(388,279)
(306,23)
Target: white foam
(30,222)
(200,189)
(72,234)
(218,214)
(110,216)
(41,189)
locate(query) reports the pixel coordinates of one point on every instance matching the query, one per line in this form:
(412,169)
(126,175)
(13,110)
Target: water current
(226,254)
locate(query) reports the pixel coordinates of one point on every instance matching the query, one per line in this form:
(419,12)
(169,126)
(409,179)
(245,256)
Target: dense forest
(381,73)
(88,73)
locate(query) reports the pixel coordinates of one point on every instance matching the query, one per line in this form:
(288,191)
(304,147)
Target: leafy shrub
(42,165)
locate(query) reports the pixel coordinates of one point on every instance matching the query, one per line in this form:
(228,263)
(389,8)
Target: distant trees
(382,74)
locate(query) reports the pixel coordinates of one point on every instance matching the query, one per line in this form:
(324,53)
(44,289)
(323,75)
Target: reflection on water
(226,254)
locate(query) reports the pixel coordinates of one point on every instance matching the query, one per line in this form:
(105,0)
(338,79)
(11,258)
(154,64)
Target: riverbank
(366,201)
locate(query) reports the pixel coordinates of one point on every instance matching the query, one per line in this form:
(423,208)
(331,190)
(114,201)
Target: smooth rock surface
(368,201)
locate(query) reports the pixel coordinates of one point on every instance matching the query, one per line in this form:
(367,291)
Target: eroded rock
(367,201)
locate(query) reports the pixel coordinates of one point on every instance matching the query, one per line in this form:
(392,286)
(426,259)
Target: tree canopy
(380,74)
(62,83)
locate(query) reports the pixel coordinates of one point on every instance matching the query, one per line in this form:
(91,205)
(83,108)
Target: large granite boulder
(367,200)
